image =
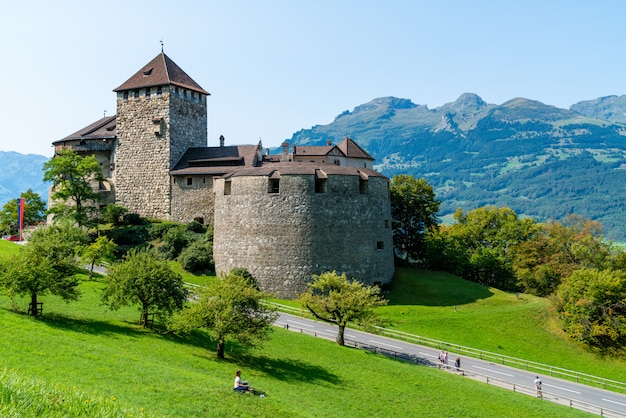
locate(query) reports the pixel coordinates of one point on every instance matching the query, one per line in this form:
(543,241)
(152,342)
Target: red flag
(20,215)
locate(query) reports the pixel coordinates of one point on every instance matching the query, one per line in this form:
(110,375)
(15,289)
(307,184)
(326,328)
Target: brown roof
(353,150)
(311,150)
(104,128)
(161,71)
(215,160)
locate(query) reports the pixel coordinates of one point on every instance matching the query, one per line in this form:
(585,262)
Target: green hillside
(82,350)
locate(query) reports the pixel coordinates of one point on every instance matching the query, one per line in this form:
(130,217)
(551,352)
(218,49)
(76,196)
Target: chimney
(285,157)
(221,140)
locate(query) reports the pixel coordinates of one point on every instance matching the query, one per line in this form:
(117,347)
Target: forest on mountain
(539,160)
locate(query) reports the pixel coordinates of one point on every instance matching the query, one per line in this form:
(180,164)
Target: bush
(129,235)
(133,219)
(159,229)
(197,257)
(175,240)
(114,214)
(195,226)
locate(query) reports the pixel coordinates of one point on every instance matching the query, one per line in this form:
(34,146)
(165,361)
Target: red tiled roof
(161,71)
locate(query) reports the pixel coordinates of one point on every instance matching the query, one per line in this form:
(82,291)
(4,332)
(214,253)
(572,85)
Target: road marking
(427,354)
(493,371)
(558,387)
(388,345)
(619,403)
(302,324)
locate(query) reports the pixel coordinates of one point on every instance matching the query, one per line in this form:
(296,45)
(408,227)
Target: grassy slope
(83,345)
(422,302)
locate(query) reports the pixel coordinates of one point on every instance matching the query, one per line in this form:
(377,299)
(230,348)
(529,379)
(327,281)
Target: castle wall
(284,238)
(192,201)
(153,131)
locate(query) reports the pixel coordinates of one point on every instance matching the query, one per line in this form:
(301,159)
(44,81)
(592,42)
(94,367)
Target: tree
(413,212)
(72,177)
(46,264)
(335,299)
(145,279)
(592,304)
(34,212)
(490,237)
(102,249)
(230,308)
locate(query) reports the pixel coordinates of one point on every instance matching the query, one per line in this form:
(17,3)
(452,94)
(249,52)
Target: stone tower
(161,112)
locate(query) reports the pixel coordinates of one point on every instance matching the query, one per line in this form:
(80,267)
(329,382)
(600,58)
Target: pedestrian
(537,383)
(457,364)
(441,358)
(445,358)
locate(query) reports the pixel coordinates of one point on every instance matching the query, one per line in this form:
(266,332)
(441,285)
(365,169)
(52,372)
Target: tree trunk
(144,316)
(91,270)
(340,332)
(220,348)
(33,303)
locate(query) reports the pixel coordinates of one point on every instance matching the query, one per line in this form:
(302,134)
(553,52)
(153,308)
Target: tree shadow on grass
(89,326)
(414,286)
(285,369)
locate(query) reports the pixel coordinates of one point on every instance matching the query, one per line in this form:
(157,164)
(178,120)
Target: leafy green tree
(34,212)
(143,278)
(114,214)
(414,212)
(490,237)
(559,249)
(75,182)
(335,299)
(230,308)
(102,249)
(592,304)
(46,264)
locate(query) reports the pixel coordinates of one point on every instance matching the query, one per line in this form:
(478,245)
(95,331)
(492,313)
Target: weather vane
(161,44)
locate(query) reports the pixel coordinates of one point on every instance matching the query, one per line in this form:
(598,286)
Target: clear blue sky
(274,67)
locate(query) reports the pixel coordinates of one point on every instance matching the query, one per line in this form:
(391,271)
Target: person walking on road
(537,383)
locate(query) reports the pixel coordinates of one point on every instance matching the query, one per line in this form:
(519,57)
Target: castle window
(273,186)
(189,181)
(126,95)
(176,93)
(362,186)
(184,94)
(320,185)
(136,94)
(380,245)
(387,223)
(193,96)
(226,187)
(159,91)
(147,93)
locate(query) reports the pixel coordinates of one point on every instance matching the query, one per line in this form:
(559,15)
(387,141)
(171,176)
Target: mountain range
(19,173)
(540,160)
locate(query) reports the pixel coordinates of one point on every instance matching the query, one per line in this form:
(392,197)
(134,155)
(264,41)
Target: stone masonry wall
(193,201)
(284,238)
(152,134)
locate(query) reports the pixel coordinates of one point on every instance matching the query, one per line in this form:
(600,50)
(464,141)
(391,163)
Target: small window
(148,93)
(227,187)
(136,94)
(320,185)
(380,245)
(387,223)
(193,96)
(273,186)
(159,91)
(176,92)
(189,181)
(184,94)
(126,95)
(362,186)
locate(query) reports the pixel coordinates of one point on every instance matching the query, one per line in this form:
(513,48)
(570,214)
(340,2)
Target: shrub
(195,226)
(197,257)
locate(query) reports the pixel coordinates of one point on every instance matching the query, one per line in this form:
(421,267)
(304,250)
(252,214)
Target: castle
(283,217)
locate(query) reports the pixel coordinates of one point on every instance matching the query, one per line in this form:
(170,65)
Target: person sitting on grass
(241,386)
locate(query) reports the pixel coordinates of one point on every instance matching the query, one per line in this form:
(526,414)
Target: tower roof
(161,71)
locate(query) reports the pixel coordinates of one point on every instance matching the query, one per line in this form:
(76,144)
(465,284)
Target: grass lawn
(422,302)
(83,348)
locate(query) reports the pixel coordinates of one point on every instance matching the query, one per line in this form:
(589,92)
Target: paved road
(556,390)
